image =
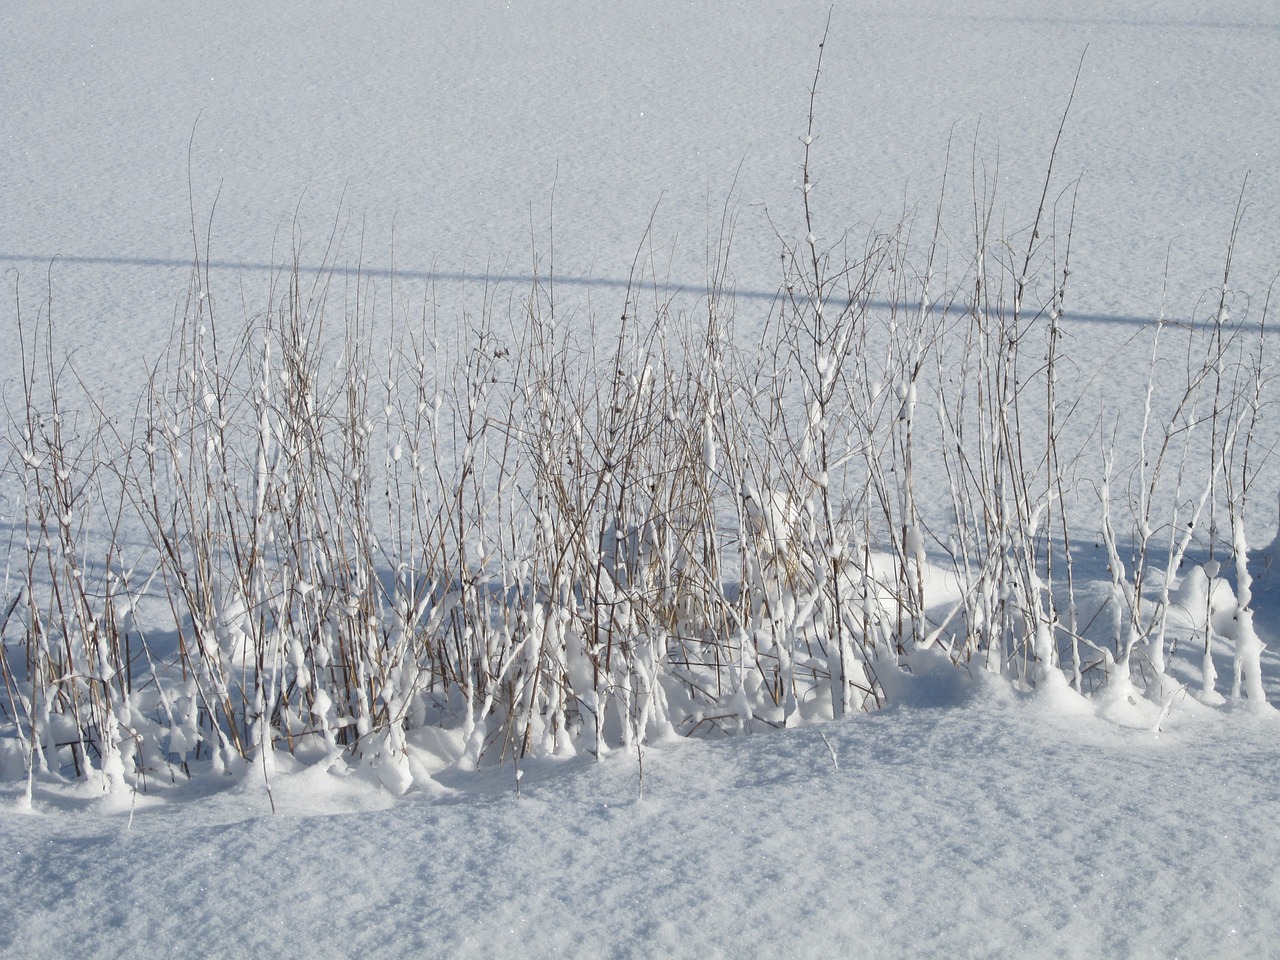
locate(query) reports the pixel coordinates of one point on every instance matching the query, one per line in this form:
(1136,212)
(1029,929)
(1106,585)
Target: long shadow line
(1069,21)
(454,276)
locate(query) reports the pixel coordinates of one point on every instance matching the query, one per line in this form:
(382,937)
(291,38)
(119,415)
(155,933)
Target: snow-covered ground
(451,142)
(500,139)
(967,821)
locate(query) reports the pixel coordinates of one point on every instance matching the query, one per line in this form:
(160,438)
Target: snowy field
(988,825)
(465,156)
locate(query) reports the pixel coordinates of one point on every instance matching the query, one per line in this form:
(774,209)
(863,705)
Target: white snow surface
(966,819)
(452,141)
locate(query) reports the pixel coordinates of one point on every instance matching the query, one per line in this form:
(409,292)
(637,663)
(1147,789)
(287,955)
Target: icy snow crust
(966,819)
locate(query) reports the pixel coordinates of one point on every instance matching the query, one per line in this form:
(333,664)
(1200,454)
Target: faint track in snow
(523,279)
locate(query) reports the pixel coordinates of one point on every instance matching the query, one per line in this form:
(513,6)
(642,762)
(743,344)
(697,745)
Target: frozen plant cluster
(548,535)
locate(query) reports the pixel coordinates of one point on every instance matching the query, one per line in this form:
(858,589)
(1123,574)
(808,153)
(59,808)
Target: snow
(495,140)
(443,143)
(967,821)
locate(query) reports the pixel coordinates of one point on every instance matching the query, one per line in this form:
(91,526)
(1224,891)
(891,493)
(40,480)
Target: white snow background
(465,140)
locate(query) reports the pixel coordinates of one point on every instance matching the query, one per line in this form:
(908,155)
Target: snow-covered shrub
(329,527)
